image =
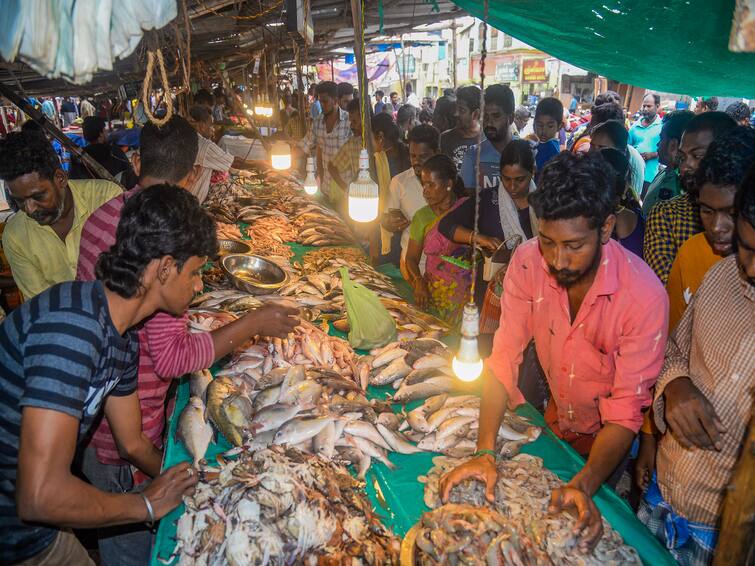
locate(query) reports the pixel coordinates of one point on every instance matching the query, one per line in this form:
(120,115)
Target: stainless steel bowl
(226,247)
(253,274)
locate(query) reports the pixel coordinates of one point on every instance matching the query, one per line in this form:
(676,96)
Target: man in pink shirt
(166,348)
(598,316)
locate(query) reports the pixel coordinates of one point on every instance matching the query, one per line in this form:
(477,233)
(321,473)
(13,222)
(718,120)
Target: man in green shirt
(666,183)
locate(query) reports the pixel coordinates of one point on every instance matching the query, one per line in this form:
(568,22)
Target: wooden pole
(735,543)
(50,128)
(454,47)
(364,97)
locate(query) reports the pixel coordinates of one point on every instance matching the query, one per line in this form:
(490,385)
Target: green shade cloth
(666,45)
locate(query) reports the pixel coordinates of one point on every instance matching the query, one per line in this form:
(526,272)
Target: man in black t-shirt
(106,154)
(455,143)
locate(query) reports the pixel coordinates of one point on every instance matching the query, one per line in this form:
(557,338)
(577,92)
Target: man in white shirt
(405,191)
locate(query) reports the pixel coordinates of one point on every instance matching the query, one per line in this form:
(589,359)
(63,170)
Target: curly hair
(739,111)
(445,168)
(518,152)
(728,158)
(674,124)
(27,152)
(574,185)
(745,199)
(158,221)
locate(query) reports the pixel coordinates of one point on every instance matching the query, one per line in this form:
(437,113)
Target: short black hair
(327,87)
(471,96)
(92,127)
(168,151)
(674,124)
(606,97)
(619,162)
(394,92)
(158,221)
(344,89)
(425,134)
(656,98)
(200,113)
(718,123)
(445,106)
(445,167)
(550,107)
(518,152)
(606,111)
(502,96)
(711,103)
(573,185)
(354,105)
(204,96)
(382,123)
(616,132)
(405,113)
(379,93)
(27,152)
(728,158)
(739,111)
(745,199)
(425,116)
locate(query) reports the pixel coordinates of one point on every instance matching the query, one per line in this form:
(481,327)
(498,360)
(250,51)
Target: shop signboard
(507,72)
(533,71)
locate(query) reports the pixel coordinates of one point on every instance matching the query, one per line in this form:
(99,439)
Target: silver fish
(396,441)
(423,390)
(366,430)
(273,417)
(430,361)
(452,426)
(198,383)
(371,450)
(388,356)
(266,398)
(324,441)
(194,430)
(390,421)
(300,429)
(261,440)
(306,392)
(393,371)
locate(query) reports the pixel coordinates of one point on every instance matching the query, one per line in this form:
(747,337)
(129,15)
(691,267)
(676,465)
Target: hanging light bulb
(280,156)
(363,193)
(310,181)
(467,364)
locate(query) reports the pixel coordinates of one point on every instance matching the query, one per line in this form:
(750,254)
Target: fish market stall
(389,414)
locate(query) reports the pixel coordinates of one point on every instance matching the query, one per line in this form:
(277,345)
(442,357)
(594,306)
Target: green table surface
(396,495)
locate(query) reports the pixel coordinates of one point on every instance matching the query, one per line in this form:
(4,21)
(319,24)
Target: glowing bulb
(250,111)
(363,193)
(467,364)
(280,156)
(310,181)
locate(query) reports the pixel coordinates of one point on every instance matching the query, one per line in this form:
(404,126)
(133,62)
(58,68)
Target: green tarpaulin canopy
(678,46)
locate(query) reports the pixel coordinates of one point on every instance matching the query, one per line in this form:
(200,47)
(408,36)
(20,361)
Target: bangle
(485,453)
(150,511)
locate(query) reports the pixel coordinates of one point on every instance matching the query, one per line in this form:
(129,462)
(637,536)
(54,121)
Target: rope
(363,95)
(483,55)
(147,87)
(254,17)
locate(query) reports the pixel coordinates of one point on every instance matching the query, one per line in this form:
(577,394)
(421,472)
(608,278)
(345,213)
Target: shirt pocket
(595,366)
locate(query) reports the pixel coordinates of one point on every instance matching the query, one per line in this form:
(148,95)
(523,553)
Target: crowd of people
(629,286)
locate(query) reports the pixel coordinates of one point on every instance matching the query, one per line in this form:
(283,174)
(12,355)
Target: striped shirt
(713,345)
(328,142)
(670,224)
(166,348)
(59,351)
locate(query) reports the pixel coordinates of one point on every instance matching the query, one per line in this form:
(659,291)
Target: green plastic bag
(370,324)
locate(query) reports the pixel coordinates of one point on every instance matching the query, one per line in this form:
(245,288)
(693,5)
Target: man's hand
(166,490)
(481,468)
(589,525)
(645,460)
(395,221)
(691,417)
(649,155)
(488,243)
(275,320)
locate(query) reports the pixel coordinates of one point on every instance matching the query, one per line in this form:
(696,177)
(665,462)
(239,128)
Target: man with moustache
(575,291)
(673,222)
(496,125)
(330,130)
(41,241)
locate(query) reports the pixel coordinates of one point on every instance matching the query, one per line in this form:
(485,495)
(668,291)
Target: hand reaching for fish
(481,468)
(166,491)
(275,320)
(421,293)
(589,525)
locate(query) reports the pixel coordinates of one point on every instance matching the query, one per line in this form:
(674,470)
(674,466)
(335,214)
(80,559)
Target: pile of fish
(522,496)
(312,408)
(209,320)
(228,300)
(464,534)
(449,425)
(279,507)
(228,231)
(417,369)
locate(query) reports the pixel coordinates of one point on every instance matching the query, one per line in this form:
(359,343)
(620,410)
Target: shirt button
(562,396)
(563,368)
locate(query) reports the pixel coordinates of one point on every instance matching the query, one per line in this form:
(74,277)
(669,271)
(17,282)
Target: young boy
(549,115)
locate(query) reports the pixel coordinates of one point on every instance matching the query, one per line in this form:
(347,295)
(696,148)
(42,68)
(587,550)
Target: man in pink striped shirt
(166,348)
(598,316)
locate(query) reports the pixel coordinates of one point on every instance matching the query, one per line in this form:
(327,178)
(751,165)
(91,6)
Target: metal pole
(453,50)
(50,128)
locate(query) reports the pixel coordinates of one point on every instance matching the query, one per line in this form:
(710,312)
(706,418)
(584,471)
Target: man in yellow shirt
(720,173)
(41,241)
